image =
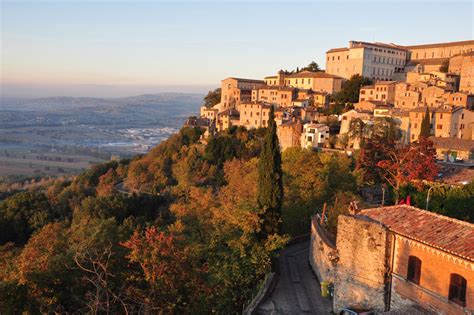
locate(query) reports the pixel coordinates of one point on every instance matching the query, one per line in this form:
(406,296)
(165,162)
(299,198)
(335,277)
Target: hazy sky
(132,47)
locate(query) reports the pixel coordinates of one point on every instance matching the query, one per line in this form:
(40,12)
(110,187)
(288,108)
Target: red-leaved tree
(408,164)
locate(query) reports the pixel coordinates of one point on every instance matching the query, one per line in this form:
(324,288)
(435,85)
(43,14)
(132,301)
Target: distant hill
(64,102)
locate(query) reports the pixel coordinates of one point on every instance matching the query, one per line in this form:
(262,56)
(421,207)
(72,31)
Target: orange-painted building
(432,259)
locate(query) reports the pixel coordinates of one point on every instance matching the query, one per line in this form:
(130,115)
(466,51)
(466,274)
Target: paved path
(298,290)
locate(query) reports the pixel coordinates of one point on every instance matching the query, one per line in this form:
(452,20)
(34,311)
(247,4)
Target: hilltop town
(406,82)
(398,259)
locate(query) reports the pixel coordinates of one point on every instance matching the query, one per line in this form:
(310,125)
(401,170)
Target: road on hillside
(298,290)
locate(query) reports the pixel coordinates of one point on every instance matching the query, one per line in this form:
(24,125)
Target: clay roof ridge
(425,212)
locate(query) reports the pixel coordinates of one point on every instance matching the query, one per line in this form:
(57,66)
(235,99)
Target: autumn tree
(270,184)
(42,268)
(107,182)
(408,164)
(312,178)
(374,151)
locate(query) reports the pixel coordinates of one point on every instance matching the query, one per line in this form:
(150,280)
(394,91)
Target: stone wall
(322,253)
(363,247)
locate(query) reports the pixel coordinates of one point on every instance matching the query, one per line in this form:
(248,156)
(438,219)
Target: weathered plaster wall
(363,248)
(322,254)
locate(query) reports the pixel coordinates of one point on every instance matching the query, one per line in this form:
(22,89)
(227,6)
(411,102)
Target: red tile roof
(447,234)
(337,50)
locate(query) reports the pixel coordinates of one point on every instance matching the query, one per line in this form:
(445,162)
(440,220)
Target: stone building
(227,119)
(236,90)
(321,99)
(398,258)
(402,118)
(466,83)
(315,81)
(277,95)
(433,96)
(289,134)
(407,99)
(254,114)
(383,91)
(463,65)
(459,99)
(453,150)
(348,116)
(314,135)
(465,124)
(209,113)
(307,80)
(446,122)
(377,61)
(439,50)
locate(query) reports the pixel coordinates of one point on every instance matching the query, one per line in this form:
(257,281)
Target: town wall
(363,249)
(322,253)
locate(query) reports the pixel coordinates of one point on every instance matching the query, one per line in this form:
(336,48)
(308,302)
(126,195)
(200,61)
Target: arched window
(414,269)
(457,289)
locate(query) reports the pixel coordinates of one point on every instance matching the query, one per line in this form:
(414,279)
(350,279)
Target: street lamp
(428,197)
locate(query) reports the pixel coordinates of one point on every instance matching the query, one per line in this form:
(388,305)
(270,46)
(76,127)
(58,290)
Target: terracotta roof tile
(447,234)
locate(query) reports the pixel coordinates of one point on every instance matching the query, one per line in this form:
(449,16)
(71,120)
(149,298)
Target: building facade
(277,95)
(398,258)
(382,91)
(314,135)
(254,114)
(376,61)
(236,90)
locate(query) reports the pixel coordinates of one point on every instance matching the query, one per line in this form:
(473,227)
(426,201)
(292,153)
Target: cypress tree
(425,130)
(270,185)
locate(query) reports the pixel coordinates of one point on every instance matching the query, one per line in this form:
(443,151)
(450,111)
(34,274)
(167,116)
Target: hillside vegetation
(184,239)
(179,230)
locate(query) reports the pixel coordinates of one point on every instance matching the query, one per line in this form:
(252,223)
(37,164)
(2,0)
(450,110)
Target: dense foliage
(179,230)
(212,98)
(350,89)
(270,179)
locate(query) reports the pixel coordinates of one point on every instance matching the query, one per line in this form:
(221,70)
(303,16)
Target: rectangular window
(414,269)
(457,289)
(439,126)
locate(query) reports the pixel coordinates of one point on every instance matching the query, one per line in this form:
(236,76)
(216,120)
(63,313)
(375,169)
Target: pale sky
(107,48)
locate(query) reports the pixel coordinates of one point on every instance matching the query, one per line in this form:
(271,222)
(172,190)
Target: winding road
(298,290)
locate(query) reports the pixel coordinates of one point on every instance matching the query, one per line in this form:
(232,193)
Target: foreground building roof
(450,235)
